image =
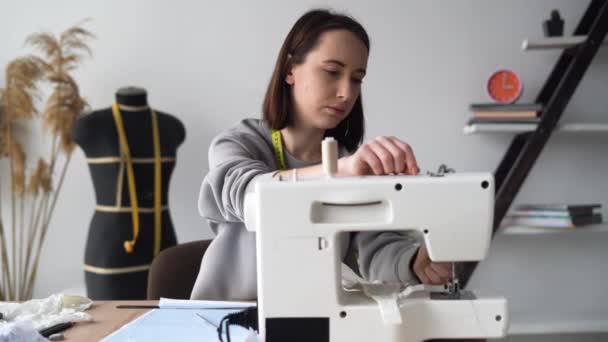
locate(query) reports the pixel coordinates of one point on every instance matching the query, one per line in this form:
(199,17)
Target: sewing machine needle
(454,289)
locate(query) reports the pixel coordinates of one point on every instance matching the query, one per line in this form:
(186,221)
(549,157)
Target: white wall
(208,63)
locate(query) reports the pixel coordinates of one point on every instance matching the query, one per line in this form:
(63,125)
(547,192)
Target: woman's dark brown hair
(304,37)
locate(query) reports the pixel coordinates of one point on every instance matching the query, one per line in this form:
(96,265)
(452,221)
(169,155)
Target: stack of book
(554,215)
(505,113)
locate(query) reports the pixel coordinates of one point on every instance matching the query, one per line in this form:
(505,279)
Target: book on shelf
(544,230)
(503,120)
(551,208)
(512,107)
(554,215)
(506,111)
(505,115)
(553,221)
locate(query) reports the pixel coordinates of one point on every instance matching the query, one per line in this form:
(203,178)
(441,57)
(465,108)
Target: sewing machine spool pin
(329,156)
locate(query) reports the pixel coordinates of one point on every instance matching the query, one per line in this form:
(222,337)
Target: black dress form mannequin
(110,271)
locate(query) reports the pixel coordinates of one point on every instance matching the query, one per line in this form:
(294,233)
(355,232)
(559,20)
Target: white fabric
(389,296)
(253,336)
(44,313)
(19,332)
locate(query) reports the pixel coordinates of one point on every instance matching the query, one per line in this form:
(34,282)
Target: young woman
(314,92)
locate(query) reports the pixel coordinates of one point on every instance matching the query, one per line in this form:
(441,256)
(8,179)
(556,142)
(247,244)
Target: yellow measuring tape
(277,143)
(129,245)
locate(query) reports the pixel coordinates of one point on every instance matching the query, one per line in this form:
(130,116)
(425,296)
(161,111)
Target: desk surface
(106,319)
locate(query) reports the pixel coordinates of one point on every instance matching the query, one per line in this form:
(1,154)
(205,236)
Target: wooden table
(106,319)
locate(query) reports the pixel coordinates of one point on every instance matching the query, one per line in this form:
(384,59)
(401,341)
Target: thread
(329,152)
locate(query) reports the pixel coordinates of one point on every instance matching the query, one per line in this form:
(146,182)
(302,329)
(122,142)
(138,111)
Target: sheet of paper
(167,303)
(178,325)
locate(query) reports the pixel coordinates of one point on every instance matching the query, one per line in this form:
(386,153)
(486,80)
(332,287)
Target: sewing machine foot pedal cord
(247,318)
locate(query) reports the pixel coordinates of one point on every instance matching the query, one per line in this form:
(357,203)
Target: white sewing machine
(300,292)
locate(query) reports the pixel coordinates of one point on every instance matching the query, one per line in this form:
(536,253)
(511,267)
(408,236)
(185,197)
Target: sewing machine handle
(351,204)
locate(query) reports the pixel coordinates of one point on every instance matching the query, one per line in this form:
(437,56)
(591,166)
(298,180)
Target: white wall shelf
(552,282)
(556,323)
(553,43)
(528,127)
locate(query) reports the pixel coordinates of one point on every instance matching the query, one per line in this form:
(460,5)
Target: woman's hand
(382,156)
(429,272)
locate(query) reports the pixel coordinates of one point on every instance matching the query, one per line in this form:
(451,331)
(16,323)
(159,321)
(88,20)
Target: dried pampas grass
(59,56)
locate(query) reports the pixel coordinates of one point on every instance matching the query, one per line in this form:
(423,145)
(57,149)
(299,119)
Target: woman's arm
(387,256)
(382,156)
(313,171)
(233,164)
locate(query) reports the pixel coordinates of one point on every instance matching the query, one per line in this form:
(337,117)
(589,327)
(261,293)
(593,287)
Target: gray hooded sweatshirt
(238,158)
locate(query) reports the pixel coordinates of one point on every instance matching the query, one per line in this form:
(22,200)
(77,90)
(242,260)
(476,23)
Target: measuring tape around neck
(277,143)
(129,245)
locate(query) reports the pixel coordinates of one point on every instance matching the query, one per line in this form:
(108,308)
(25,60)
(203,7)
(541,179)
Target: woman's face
(326,85)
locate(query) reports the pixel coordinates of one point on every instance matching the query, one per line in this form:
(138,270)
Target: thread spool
(329,155)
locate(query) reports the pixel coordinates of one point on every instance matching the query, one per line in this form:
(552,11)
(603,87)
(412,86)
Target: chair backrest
(174,270)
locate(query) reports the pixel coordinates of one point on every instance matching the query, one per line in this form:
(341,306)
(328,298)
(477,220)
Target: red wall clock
(504,86)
